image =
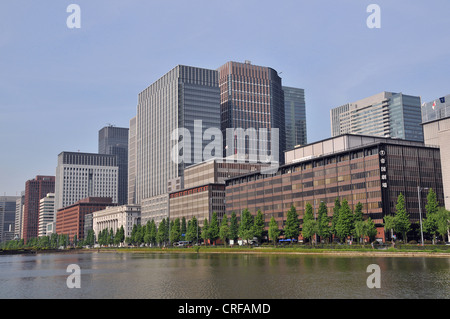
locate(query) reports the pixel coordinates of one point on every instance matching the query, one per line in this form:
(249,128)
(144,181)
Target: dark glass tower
(251,96)
(114,141)
(295,117)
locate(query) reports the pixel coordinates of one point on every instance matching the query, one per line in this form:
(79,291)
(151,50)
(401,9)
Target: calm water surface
(227,276)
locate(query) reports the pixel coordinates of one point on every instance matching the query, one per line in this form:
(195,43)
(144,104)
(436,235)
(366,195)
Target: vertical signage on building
(383,168)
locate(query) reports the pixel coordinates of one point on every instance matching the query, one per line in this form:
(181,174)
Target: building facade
(7,217)
(386,114)
(46,213)
(370,170)
(70,220)
(114,218)
(295,117)
(184,101)
(132,162)
(436,109)
(35,190)
(251,97)
(437,132)
(82,175)
(114,141)
(18,222)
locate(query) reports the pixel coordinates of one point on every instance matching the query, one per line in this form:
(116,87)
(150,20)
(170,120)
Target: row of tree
(344,224)
(436,223)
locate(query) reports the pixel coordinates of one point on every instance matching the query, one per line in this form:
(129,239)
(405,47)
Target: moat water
(220,276)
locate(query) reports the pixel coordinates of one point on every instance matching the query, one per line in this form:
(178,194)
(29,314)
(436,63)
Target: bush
(413,242)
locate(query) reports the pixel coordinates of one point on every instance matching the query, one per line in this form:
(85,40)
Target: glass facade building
(114,141)
(295,117)
(386,114)
(251,97)
(436,109)
(178,102)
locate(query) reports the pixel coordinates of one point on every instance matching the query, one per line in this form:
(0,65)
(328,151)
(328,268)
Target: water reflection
(228,276)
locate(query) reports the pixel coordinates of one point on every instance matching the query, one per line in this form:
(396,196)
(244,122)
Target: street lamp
(420,210)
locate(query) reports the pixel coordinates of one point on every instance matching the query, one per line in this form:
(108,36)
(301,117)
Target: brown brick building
(35,190)
(70,219)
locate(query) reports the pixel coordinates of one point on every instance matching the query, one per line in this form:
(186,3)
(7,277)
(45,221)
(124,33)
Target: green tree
(160,236)
(323,222)
(205,231)
(274,231)
(335,218)
(234,227)
(246,225)
(292,225)
(309,228)
(443,223)
(344,226)
(430,223)
(214,228)
(402,222)
(358,215)
(192,230)
(175,231)
(258,225)
(224,230)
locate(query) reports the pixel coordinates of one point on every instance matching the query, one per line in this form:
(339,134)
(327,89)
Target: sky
(59,86)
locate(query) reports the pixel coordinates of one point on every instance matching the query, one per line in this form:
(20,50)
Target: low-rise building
(115,217)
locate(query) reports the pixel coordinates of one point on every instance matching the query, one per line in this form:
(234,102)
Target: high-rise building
(436,109)
(251,97)
(82,175)
(295,117)
(35,190)
(114,141)
(386,114)
(172,115)
(18,222)
(46,213)
(7,217)
(132,162)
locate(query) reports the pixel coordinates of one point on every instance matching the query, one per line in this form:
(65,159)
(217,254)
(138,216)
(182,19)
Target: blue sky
(60,86)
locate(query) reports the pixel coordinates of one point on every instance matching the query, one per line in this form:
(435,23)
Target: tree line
(436,223)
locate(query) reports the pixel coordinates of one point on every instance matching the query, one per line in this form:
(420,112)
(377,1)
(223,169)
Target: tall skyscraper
(132,162)
(386,114)
(114,141)
(7,217)
(35,190)
(295,117)
(82,175)
(251,97)
(46,213)
(169,106)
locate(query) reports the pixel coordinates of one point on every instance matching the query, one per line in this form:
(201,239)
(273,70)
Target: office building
(386,114)
(251,97)
(437,132)
(70,220)
(132,162)
(358,168)
(82,175)
(114,141)
(437,109)
(7,217)
(114,218)
(46,213)
(295,117)
(35,190)
(172,116)
(18,221)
